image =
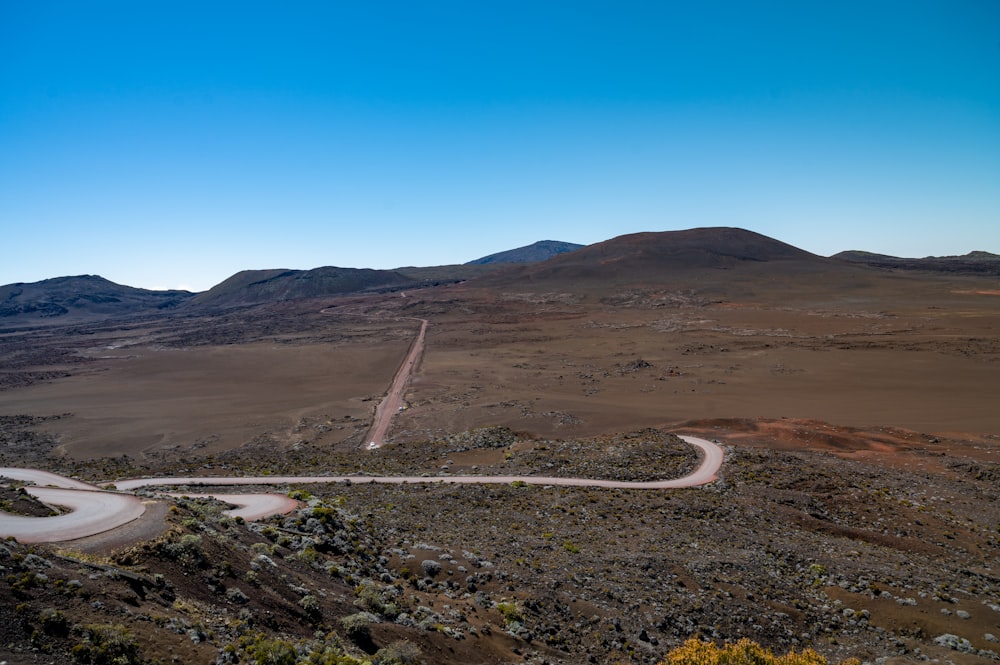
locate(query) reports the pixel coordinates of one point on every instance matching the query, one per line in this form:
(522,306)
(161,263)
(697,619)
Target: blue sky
(171,144)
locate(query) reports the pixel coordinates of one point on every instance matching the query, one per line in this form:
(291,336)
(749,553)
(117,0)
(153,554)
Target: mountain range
(981,263)
(635,260)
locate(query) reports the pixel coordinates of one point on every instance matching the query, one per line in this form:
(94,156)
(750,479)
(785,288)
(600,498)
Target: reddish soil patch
(891,446)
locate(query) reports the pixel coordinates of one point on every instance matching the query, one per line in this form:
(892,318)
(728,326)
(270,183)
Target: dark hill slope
(435,275)
(542,250)
(252,287)
(669,258)
(68,299)
(973,263)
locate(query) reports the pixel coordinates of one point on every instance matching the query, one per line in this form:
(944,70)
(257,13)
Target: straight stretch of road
(393,399)
(96,511)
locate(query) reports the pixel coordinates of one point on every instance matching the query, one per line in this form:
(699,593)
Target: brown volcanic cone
(675,257)
(252,287)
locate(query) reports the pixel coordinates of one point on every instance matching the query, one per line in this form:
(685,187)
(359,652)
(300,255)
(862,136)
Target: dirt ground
(923,361)
(212,398)
(856,511)
(921,353)
(167,388)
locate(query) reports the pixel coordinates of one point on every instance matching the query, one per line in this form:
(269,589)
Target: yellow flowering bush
(744,652)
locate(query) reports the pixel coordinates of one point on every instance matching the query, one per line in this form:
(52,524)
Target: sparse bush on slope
(744,652)
(107,644)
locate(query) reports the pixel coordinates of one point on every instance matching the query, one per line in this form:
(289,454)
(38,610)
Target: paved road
(96,511)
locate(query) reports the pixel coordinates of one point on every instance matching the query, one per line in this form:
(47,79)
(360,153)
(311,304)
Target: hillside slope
(662,258)
(973,263)
(62,299)
(542,250)
(251,287)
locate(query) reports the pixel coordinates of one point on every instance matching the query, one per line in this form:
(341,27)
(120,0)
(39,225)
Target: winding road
(93,509)
(96,510)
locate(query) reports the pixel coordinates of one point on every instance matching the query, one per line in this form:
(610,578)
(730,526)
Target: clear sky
(171,144)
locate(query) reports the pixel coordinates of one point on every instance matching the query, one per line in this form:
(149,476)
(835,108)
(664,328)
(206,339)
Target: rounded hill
(251,287)
(658,257)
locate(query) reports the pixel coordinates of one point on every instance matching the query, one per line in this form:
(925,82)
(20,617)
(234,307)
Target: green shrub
(357,626)
(106,644)
(311,605)
(510,612)
(271,652)
(187,550)
(309,555)
(20,583)
(398,653)
(261,650)
(54,622)
(369,598)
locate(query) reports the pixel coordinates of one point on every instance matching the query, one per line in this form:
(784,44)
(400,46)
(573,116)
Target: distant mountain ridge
(542,250)
(82,296)
(976,262)
(92,296)
(252,287)
(638,260)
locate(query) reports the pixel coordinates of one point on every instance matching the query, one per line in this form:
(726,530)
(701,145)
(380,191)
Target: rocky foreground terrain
(856,552)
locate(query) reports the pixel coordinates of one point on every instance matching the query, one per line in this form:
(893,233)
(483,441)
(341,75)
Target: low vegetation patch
(744,652)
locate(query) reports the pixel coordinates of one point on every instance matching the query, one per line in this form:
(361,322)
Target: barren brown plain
(917,353)
(859,409)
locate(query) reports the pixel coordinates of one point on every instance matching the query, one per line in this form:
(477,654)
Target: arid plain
(856,512)
(917,352)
